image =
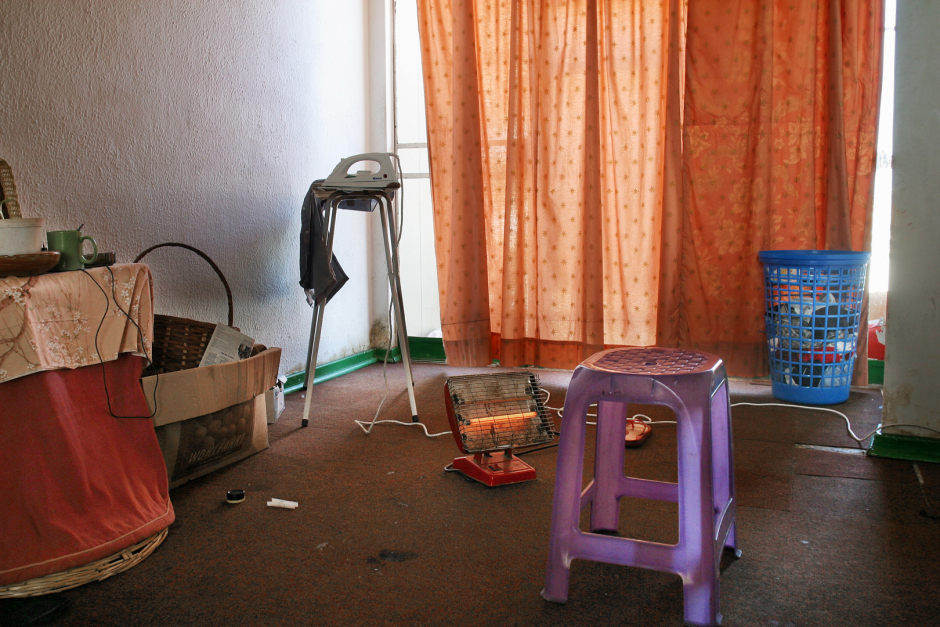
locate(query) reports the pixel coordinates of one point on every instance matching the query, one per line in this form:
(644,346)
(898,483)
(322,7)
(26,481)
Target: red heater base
(495,469)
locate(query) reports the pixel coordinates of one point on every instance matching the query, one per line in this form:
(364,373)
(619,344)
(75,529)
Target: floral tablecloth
(74,319)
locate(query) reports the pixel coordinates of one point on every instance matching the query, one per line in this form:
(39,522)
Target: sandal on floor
(637,432)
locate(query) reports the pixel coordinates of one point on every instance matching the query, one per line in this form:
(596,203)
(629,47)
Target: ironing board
(362,200)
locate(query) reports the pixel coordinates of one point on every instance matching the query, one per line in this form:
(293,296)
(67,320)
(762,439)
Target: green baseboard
(909,447)
(295,382)
(876,371)
(427,349)
(333,369)
(431,349)
(422,349)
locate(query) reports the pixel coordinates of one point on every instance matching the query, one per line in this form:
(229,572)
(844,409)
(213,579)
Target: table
(81,471)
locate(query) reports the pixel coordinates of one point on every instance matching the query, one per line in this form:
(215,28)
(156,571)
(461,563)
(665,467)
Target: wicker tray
(80,575)
(179,343)
(28,265)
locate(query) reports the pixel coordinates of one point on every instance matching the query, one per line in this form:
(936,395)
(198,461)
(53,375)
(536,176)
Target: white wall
(202,123)
(912,342)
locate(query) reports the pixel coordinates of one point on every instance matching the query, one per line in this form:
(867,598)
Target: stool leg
(723,460)
(701,600)
(697,516)
(608,466)
(566,502)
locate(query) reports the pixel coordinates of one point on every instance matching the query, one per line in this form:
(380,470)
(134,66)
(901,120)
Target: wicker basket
(80,575)
(179,343)
(10,207)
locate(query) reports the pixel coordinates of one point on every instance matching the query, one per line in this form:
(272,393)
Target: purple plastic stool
(695,386)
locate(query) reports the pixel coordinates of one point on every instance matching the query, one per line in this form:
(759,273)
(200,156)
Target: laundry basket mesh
(813,308)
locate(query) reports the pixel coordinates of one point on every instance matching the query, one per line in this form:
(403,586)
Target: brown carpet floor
(384,536)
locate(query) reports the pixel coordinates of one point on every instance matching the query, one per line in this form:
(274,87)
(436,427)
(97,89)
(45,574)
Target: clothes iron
(386,175)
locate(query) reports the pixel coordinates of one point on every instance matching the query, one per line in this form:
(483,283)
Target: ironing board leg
(391,259)
(312,360)
(316,325)
(313,331)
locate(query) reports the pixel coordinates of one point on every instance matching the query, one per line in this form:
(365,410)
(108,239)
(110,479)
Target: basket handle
(228,290)
(8,192)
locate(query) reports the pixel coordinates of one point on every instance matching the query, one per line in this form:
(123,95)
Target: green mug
(69,245)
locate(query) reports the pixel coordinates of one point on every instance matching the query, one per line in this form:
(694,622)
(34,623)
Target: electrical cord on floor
(396,240)
(848,425)
(638,417)
(388,351)
(536,449)
(140,333)
(367,426)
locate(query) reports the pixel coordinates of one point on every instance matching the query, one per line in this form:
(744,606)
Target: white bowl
(21,236)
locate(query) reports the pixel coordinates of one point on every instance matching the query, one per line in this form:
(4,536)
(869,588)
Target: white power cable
(399,422)
(396,240)
(848,425)
(640,417)
(367,426)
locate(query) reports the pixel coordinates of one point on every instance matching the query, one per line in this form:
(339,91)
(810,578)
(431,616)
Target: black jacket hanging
(319,276)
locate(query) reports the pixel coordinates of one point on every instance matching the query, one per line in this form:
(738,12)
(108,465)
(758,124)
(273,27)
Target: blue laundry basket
(813,309)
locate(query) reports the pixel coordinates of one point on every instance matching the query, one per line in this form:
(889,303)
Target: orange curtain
(588,194)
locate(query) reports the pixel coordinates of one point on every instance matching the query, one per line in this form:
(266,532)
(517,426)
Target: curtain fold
(604,172)
(462,140)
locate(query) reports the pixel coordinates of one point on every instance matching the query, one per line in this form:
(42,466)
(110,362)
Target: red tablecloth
(77,484)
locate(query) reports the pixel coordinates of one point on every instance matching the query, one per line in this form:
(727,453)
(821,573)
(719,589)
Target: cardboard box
(207,418)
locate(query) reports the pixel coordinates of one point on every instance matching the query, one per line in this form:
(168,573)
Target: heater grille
(498,411)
